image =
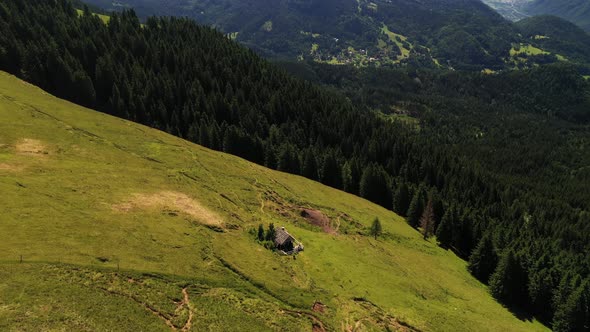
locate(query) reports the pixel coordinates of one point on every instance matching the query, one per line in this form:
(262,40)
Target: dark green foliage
(310,165)
(573,315)
(330,173)
(416,208)
(376,228)
(375,186)
(444,231)
(559,36)
(401,200)
(506,282)
(483,260)
(260,234)
(270,233)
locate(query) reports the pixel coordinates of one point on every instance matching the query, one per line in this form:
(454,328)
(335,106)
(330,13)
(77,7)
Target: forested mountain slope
(462,34)
(195,83)
(557,35)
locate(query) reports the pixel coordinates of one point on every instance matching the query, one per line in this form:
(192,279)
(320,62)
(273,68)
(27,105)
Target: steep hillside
(576,11)
(107,224)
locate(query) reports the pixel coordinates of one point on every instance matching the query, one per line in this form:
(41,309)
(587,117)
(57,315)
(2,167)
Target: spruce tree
(416,209)
(270,233)
(427,221)
(260,234)
(574,315)
(401,200)
(506,283)
(374,186)
(310,167)
(483,260)
(376,228)
(444,232)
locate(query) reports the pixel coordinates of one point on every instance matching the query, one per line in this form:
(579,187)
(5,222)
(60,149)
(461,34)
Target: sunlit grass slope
(122,227)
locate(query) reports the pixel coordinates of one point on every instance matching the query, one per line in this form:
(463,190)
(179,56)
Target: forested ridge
(195,83)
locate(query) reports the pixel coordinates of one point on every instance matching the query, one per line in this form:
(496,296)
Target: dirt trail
(189,322)
(167,318)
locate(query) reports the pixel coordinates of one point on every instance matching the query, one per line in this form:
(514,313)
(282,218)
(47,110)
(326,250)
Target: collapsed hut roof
(282,237)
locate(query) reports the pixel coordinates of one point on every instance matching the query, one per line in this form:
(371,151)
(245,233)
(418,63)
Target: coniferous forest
(523,231)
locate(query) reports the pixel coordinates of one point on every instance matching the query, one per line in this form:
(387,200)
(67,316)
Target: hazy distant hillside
(576,11)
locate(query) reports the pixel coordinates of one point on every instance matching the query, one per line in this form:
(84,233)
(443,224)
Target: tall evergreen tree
(507,280)
(416,209)
(444,231)
(483,260)
(401,200)
(374,186)
(376,228)
(427,221)
(574,315)
(310,167)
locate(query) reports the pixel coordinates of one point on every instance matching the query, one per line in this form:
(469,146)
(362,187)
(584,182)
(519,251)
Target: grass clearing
(87,266)
(105,19)
(400,41)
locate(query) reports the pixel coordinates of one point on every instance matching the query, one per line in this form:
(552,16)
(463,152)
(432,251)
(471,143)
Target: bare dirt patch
(171,200)
(10,168)
(318,307)
(317,218)
(30,146)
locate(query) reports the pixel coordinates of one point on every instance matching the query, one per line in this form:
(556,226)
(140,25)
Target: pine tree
(506,283)
(427,221)
(376,228)
(271,232)
(401,201)
(444,232)
(260,235)
(483,260)
(574,315)
(310,167)
(416,209)
(330,173)
(374,186)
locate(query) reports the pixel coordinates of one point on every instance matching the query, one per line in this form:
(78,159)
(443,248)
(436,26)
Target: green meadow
(110,225)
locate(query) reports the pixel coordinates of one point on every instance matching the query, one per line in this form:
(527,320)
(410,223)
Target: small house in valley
(286,243)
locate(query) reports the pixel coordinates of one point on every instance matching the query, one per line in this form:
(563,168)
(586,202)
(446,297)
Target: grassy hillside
(123,227)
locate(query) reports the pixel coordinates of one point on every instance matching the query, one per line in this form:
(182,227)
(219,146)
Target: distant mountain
(464,34)
(576,11)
